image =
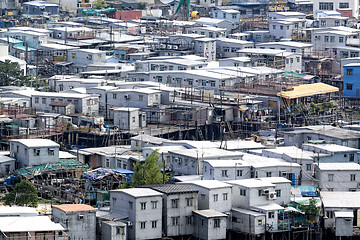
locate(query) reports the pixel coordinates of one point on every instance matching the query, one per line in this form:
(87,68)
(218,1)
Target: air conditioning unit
(129,223)
(272,196)
(80,217)
(179,160)
(127,96)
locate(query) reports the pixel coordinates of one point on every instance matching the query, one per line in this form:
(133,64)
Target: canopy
(308,90)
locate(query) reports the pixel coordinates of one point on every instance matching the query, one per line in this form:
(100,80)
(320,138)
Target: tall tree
(12,74)
(149,172)
(23,194)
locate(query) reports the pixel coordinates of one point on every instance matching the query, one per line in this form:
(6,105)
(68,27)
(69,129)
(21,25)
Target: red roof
(73,207)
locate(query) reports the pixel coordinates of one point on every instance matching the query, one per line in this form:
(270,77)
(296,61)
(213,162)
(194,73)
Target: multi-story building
(143,208)
(32,152)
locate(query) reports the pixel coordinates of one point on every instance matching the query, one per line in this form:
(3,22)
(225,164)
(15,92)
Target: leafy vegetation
(99,4)
(149,172)
(12,75)
(23,194)
(310,209)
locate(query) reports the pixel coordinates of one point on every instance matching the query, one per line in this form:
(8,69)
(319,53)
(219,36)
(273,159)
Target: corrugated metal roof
(169,189)
(308,90)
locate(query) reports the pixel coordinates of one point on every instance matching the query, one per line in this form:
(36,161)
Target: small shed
(344,224)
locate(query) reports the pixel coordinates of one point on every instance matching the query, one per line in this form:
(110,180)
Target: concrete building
(7,165)
(128,118)
(227,47)
(32,152)
(209,224)
(190,161)
(135,98)
(143,208)
(78,219)
(258,195)
(336,135)
(333,153)
(213,194)
(179,201)
(338,177)
(40,8)
(339,202)
(248,221)
(227,14)
(84,103)
(351,87)
(205,47)
(81,58)
(226,170)
(337,5)
(209,32)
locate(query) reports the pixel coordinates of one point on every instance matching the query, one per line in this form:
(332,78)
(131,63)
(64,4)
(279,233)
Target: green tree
(310,209)
(12,74)
(149,172)
(99,4)
(23,194)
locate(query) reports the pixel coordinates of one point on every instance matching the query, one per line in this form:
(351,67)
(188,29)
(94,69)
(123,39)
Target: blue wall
(352,80)
(35,9)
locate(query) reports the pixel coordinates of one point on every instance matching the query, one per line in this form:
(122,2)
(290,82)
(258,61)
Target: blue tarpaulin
(307,190)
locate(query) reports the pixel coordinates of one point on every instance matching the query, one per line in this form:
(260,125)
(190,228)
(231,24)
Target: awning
(308,90)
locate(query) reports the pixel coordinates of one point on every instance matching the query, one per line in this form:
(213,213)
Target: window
(89,57)
(308,167)
(153,224)
(271,215)
(351,157)
(234,16)
(188,220)
(260,192)
(281,27)
(224,173)
(326,6)
(337,23)
(73,55)
(341,39)
(259,222)
(352,177)
(225,196)
(202,222)
(175,220)
(133,119)
(36,152)
(120,231)
(107,163)
(130,205)
(278,193)
(154,204)
(242,192)
(332,38)
(36,100)
(330,177)
(297,59)
(216,197)
(43,100)
(239,173)
(330,214)
(216,223)
(189,202)
(326,38)
(141,98)
(114,95)
(142,225)
(274,26)
(344,5)
(268,174)
(143,205)
(25,151)
(51,151)
(174,203)
(349,86)
(349,71)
